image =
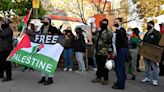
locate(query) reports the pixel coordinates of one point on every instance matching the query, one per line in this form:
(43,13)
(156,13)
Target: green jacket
(103,42)
(135,41)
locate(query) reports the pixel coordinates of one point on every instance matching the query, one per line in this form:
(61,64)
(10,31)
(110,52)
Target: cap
(47,17)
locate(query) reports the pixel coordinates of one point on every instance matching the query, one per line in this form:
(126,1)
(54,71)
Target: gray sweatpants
(134,53)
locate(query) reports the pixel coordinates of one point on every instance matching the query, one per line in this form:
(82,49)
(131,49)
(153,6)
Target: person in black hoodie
(5,48)
(80,47)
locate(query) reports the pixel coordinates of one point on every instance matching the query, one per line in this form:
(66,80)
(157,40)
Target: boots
(97,80)
(133,77)
(49,81)
(6,79)
(43,80)
(1,76)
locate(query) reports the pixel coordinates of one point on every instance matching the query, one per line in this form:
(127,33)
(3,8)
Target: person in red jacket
(161,66)
(161,27)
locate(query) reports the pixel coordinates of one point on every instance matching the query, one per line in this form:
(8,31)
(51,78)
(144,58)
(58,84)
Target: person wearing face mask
(80,47)
(32,28)
(152,37)
(129,32)
(68,45)
(104,51)
(6,35)
(134,45)
(47,27)
(121,42)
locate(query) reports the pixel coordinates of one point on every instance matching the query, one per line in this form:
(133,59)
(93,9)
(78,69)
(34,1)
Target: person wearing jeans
(155,67)
(68,64)
(68,45)
(152,37)
(80,47)
(79,57)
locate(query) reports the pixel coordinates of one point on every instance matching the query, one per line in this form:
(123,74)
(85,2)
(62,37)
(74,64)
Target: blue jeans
(120,66)
(68,58)
(148,64)
(80,60)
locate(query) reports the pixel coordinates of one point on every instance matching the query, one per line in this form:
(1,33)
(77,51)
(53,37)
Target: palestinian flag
(40,56)
(25,20)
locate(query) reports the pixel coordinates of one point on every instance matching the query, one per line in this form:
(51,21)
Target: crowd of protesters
(101,45)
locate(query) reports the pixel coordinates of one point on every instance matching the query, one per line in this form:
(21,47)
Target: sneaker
(105,82)
(83,72)
(70,69)
(78,71)
(94,69)
(25,70)
(155,83)
(146,80)
(65,69)
(31,69)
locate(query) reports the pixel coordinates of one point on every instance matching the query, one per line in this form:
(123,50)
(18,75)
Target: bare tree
(98,6)
(79,10)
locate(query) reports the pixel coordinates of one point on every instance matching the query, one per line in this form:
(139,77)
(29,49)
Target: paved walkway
(72,82)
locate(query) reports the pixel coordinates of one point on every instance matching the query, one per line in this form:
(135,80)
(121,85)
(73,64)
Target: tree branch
(104,6)
(97,7)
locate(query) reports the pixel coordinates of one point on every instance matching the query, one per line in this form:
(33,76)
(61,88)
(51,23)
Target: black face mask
(149,27)
(4,26)
(45,23)
(104,26)
(116,25)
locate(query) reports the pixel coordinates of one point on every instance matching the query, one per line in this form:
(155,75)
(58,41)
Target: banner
(41,52)
(151,52)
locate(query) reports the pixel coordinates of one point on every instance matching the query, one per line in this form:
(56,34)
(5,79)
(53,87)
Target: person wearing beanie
(48,28)
(45,29)
(46,25)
